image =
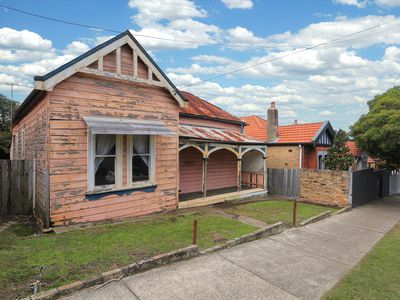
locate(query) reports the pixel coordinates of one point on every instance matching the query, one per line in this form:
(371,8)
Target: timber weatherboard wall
(102,88)
(35,125)
(83,95)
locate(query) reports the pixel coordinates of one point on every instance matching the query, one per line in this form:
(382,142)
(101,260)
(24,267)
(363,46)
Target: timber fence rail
(17,187)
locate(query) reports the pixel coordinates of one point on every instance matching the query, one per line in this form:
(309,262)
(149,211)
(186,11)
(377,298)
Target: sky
(196,42)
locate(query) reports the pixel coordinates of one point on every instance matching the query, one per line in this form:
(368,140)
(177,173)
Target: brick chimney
(272,123)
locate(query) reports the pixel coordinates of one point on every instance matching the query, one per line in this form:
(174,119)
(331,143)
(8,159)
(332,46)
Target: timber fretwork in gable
(123,63)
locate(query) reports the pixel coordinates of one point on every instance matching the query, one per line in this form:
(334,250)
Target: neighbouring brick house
(113,138)
(361,158)
(291,146)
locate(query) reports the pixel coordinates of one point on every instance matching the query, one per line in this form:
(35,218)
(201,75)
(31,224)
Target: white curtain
(141,146)
(104,143)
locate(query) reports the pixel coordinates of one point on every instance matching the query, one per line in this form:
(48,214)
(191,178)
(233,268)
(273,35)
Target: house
(291,146)
(361,158)
(112,137)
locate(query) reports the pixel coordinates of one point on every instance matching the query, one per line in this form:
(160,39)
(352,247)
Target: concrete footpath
(299,263)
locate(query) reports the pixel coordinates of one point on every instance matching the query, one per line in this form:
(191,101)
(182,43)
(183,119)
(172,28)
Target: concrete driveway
(299,263)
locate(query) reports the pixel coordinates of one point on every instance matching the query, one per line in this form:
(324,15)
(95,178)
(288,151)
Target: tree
(5,123)
(339,157)
(378,131)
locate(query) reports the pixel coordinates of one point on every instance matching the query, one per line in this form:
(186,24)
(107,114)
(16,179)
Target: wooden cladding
(123,63)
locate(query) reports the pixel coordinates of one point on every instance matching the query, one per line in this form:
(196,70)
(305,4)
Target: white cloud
(358,3)
(363,3)
(76,48)
(388,3)
(157,10)
(24,39)
(326,113)
(242,4)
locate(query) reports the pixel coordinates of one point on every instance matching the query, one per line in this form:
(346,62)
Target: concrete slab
(341,250)
(206,277)
(346,231)
(302,262)
(113,290)
(299,272)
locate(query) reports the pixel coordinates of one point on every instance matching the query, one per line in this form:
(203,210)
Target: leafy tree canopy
(378,131)
(339,157)
(5,121)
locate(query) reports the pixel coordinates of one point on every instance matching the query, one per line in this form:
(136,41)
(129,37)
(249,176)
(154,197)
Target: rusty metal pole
(194,232)
(294,212)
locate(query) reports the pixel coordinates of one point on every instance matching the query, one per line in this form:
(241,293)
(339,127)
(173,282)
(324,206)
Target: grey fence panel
(369,185)
(284,182)
(394,186)
(16,187)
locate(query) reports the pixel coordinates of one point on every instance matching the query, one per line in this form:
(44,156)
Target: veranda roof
(105,125)
(215,134)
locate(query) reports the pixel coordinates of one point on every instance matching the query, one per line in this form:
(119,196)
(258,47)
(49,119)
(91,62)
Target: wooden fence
(16,187)
(394,187)
(284,182)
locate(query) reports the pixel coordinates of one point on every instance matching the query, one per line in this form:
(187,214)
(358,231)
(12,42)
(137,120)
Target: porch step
(222,198)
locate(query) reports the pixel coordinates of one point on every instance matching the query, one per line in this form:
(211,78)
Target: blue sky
(327,83)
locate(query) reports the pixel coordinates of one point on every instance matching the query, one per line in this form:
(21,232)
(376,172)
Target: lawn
(277,210)
(76,255)
(377,276)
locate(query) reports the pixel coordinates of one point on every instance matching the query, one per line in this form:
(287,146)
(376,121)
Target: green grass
(377,276)
(76,255)
(277,210)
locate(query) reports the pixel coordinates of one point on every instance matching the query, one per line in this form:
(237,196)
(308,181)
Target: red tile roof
(295,133)
(298,133)
(214,134)
(354,150)
(200,107)
(257,127)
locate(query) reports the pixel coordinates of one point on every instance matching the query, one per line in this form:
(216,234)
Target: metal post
(194,232)
(294,212)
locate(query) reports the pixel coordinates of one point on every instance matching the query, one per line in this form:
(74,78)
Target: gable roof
(201,108)
(48,81)
(306,133)
(256,127)
(354,150)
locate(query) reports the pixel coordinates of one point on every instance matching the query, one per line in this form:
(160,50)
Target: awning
(104,125)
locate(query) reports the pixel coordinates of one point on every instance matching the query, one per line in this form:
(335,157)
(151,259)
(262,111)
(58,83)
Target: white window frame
(152,162)
(118,164)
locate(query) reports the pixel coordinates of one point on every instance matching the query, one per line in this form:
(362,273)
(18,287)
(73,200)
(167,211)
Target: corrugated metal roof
(104,125)
(214,134)
(203,108)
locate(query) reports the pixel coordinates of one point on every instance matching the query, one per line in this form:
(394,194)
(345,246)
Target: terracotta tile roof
(257,127)
(200,107)
(214,134)
(354,150)
(298,133)
(295,133)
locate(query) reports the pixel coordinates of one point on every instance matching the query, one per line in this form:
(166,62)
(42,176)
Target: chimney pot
(295,122)
(273,104)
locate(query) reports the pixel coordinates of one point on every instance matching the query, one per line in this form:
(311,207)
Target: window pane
(140,168)
(141,144)
(105,144)
(104,170)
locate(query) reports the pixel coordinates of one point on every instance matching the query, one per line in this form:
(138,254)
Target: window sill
(144,187)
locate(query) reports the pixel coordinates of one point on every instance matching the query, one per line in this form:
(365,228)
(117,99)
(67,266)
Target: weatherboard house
(112,137)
